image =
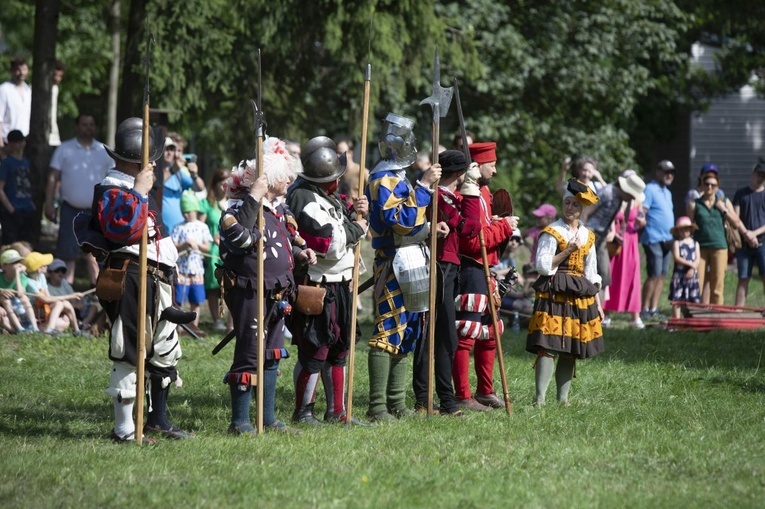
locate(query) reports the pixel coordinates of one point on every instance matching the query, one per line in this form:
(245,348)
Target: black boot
(157,421)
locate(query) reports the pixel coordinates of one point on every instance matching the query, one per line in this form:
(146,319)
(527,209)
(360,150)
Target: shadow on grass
(59,420)
(741,351)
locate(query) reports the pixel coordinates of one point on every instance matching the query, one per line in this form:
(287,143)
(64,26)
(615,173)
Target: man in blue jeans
(749,204)
(656,237)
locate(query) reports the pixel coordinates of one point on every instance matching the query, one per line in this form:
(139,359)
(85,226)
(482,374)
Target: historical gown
(566,318)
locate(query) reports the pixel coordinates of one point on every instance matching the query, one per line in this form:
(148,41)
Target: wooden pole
(357,251)
(260,310)
(495,323)
(142,290)
(433,267)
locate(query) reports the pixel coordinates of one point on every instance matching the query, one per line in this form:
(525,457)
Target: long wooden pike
(142,266)
(439,100)
(260,132)
(357,250)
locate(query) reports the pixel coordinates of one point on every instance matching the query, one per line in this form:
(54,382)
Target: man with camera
(179,173)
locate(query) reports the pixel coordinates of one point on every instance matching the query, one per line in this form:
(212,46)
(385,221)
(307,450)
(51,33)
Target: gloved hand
(470,186)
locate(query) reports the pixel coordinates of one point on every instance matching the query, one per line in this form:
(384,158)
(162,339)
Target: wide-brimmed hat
(35,260)
(632,184)
(683,222)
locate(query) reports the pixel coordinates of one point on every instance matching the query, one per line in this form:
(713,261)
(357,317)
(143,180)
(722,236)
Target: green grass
(660,420)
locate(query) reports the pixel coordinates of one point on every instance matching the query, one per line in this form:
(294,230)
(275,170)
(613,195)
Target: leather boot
(396,400)
(379,370)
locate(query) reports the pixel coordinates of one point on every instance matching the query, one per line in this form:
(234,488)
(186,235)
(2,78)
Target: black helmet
(321,162)
(127,141)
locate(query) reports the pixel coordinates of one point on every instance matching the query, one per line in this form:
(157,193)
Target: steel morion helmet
(396,141)
(320,161)
(128,138)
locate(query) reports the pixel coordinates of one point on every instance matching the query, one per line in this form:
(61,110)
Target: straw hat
(681,223)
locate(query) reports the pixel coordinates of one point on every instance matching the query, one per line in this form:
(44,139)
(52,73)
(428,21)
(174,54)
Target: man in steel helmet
(399,227)
(121,208)
(332,230)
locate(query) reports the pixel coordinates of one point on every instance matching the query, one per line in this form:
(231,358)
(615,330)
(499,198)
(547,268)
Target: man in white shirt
(15,101)
(79,164)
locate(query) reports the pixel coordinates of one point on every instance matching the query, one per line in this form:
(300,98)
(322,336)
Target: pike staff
(439,101)
(141,336)
(357,250)
(486,271)
(260,131)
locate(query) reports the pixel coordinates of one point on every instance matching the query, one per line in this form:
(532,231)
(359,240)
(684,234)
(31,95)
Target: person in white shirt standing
(54,139)
(78,164)
(15,101)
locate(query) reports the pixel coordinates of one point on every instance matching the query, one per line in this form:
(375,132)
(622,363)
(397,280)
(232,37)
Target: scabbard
(223,342)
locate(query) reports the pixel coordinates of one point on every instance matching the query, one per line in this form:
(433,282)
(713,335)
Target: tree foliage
(544,79)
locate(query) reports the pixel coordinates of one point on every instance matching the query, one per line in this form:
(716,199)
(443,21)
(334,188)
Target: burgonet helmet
(396,143)
(128,138)
(320,161)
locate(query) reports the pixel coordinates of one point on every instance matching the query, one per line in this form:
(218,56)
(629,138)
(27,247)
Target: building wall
(731,134)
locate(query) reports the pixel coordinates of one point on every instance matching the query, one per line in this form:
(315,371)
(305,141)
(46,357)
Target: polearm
(260,132)
(142,267)
(439,101)
(486,271)
(357,251)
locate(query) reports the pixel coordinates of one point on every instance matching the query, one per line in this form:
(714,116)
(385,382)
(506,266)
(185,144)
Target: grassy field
(660,420)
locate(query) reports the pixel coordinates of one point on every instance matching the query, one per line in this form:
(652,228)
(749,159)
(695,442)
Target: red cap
(484,152)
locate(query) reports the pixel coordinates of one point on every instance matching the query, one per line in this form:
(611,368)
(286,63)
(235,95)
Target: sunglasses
(62,270)
(710,184)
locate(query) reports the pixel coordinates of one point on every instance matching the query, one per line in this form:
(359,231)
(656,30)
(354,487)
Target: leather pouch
(310,299)
(110,285)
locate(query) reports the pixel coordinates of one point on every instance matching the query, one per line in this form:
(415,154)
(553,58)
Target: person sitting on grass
(57,314)
(14,283)
(58,286)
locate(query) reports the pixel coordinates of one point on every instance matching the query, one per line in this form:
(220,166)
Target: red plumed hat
(484,152)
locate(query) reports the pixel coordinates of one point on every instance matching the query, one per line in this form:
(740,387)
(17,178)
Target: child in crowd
(13,287)
(545,215)
(507,261)
(192,238)
(17,210)
(56,312)
(684,286)
(58,286)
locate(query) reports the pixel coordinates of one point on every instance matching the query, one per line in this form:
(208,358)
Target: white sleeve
(591,267)
(546,249)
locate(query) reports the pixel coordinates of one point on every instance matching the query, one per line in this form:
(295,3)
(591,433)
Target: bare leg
(92,266)
(70,265)
(742,291)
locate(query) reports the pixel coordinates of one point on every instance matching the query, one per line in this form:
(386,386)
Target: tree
(46,21)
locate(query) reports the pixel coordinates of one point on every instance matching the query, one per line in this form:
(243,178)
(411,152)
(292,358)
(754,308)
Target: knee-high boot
(379,371)
(396,400)
(241,395)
